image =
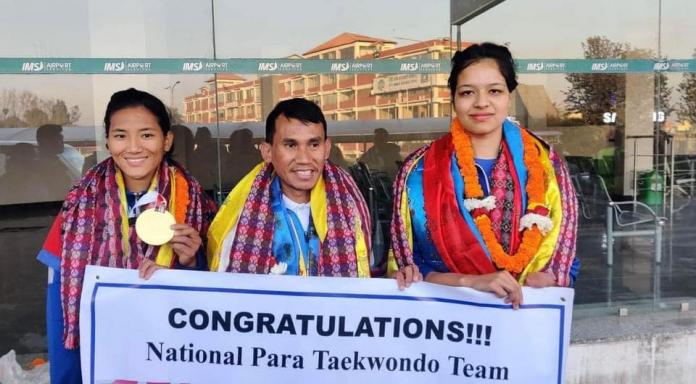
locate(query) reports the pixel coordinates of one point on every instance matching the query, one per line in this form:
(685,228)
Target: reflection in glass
(336,156)
(383,156)
(241,157)
(39,172)
(203,165)
(183,146)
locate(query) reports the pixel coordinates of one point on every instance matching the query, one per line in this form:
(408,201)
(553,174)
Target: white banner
(203,327)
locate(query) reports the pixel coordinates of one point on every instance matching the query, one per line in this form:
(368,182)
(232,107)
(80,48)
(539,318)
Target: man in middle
(296,213)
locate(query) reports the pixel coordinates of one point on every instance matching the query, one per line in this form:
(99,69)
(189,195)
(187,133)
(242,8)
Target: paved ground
(634,276)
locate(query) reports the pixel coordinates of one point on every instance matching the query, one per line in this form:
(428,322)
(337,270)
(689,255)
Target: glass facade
(627,135)
(611,86)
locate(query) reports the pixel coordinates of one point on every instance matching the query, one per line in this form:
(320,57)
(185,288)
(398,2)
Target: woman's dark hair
(131,98)
(477,52)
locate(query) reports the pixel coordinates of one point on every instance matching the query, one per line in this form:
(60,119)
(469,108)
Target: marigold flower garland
(181,200)
(534,223)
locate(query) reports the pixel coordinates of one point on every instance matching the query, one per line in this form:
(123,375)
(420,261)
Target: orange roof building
(341,96)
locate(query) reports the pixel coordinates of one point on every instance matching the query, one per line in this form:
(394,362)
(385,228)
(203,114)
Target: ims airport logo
(47,66)
(33,66)
(536,67)
(661,66)
(268,66)
(340,67)
(600,66)
(192,66)
(114,67)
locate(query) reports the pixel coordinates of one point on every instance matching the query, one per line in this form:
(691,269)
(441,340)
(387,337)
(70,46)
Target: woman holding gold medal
(488,206)
(136,210)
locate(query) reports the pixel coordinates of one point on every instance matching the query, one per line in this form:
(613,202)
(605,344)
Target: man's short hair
(298,108)
(48,133)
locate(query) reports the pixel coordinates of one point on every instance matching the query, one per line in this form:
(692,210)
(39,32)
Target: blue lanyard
(289,239)
(300,238)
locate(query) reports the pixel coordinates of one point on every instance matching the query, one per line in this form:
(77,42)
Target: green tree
(75,114)
(35,117)
(687,89)
(26,109)
(175,116)
(12,121)
(663,94)
(593,94)
(61,115)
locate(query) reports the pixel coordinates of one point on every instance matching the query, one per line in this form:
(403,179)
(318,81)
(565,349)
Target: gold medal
(154,227)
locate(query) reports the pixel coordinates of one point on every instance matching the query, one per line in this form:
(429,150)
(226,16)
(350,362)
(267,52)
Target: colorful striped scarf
(448,230)
(339,214)
(93,228)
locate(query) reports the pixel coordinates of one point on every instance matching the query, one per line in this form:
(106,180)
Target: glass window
(347,53)
(329,100)
(328,79)
(312,81)
(298,84)
(629,135)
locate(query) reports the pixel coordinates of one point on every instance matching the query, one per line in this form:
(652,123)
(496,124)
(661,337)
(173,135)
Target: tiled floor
(635,276)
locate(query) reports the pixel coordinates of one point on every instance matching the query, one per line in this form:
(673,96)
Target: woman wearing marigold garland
(489,205)
(96,223)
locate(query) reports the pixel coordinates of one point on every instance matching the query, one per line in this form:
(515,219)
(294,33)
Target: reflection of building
(342,97)
(238,100)
(532,107)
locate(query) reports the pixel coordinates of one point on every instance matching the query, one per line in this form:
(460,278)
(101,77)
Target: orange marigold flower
(181,199)
(536,190)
